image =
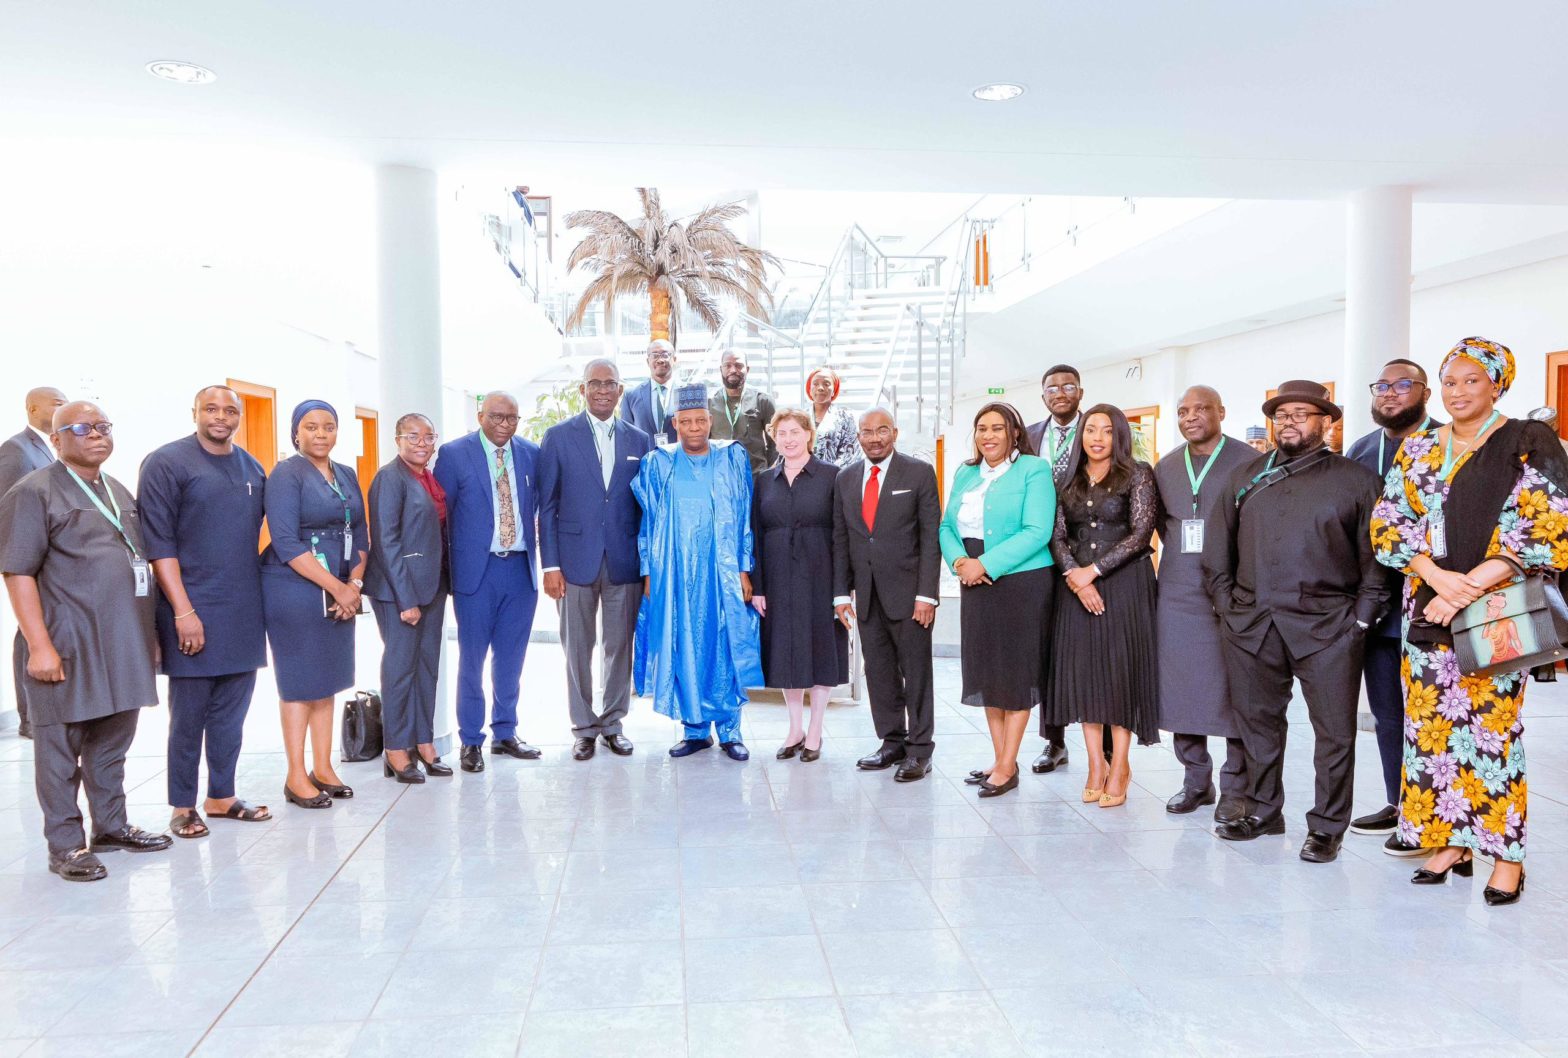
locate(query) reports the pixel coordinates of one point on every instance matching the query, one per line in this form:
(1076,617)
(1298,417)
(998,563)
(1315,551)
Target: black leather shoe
(1187,801)
(987,789)
(1396,846)
(472,758)
(1055,756)
(687,746)
(131,839)
(788,752)
(78,865)
(513,747)
(409,774)
(1248,827)
(1384,821)
(321,800)
(882,758)
(913,769)
(1498,897)
(809,755)
(332,789)
(735,750)
(619,744)
(1463,867)
(1320,847)
(1230,809)
(433,766)
(582,748)
(976,777)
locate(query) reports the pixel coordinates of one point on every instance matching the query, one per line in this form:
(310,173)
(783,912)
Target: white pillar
(1377,297)
(408,339)
(408,296)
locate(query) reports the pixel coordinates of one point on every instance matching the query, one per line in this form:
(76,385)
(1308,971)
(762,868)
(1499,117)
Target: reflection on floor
(645,906)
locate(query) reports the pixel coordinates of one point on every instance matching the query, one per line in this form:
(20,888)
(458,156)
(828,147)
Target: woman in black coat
(803,643)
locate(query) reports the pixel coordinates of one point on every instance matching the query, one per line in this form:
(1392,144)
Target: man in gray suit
(28,451)
(407,583)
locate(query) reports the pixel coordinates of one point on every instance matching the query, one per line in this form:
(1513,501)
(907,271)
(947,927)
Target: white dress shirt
(48,444)
(971,508)
(604,444)
(865,476)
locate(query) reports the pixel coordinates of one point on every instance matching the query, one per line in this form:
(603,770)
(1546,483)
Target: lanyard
(505,461)
(1197,480)
(1381,435)
(1448,448)
(114,517)
(733,417)
(348,531)
(1067,438)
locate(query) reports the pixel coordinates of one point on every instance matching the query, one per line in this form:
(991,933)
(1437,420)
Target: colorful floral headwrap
(1495,359)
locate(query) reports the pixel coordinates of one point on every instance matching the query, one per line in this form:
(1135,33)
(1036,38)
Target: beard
(1399,421)
(1309,442)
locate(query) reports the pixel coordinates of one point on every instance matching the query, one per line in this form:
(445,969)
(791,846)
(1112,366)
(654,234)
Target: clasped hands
(1455,591)
(345,602)
(1080,582)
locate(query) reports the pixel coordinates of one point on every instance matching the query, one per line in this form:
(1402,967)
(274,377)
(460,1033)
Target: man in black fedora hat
(1288,565)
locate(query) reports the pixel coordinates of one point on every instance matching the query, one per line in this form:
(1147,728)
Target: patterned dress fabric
(1464,763)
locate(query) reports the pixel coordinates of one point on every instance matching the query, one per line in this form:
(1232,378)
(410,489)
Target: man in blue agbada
(699,631)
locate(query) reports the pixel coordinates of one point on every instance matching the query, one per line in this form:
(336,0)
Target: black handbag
(361,738)
(1522,625)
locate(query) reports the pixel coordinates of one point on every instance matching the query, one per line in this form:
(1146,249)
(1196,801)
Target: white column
(408,296)
(408,340)
(1377,297)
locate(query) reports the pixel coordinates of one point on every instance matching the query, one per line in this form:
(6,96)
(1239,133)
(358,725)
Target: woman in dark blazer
(803,643)
(408,585)
(311,579)
(996,537)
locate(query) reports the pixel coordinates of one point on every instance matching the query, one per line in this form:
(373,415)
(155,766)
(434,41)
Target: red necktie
(868,503)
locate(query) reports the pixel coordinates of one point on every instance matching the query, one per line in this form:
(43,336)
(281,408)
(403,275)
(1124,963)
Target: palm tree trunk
(659,316)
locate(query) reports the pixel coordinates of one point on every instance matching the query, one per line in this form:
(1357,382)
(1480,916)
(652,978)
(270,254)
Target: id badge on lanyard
(143,577)
(1192,536)
(1437,532)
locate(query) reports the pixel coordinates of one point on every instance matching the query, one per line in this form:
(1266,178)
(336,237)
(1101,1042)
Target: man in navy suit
(28,451)
(651,406)
(588,521)
(491,481)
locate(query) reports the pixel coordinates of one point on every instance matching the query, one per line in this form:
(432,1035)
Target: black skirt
(1003,626)
(1103,669)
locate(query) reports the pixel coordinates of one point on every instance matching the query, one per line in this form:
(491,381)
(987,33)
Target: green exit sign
(996,391)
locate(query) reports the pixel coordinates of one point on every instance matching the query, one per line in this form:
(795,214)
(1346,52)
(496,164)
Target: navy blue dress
(312,654)
(206,511)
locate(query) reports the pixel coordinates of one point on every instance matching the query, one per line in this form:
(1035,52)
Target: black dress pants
(898,679)
(1260,693)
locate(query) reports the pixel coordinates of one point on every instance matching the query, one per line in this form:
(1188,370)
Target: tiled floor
(699,907)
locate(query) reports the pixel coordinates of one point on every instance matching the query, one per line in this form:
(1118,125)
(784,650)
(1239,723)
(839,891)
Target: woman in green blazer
(996,537)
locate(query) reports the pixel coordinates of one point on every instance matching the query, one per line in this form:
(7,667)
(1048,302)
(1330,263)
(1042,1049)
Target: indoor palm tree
(700,259)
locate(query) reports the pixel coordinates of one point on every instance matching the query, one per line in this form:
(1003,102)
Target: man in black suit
(651,406)
(1289,567)
(1055,439)
(22,454)
(885,553)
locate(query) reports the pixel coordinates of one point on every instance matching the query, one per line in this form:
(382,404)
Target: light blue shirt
(495,494)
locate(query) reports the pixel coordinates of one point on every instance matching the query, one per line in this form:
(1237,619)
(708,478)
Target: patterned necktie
(1063,450)
(868,502)
(503,489)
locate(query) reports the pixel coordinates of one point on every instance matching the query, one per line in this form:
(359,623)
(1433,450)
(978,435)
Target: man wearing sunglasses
(1288,565)
(76,569)
(1399,402)
(28,451)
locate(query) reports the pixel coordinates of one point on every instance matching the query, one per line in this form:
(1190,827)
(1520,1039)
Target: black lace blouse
(1107,528)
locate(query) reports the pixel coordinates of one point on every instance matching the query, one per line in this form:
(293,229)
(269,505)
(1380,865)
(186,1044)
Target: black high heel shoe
(789,751)
(1464,867)
(409,773)
(321,800)
(432,767)
(332,789)
(1499,897)
(809,755)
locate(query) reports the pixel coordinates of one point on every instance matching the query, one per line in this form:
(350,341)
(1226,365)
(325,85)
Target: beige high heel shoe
(1091,794)
(1110,800)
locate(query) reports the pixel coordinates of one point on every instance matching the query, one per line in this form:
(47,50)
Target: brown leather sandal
(187,825)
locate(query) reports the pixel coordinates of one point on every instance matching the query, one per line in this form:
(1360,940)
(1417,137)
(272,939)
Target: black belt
(507,554)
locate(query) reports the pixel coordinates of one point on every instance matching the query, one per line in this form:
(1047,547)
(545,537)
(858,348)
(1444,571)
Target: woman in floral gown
(1466,507)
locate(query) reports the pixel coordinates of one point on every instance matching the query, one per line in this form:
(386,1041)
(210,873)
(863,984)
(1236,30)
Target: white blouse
(971,508)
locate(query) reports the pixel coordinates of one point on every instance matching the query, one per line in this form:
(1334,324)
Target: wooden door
(369,451)
(1557,389)
(258,432)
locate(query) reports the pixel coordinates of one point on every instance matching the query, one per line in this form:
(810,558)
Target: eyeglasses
(602,385)
(82,429)
(880,431)
(419,440)
(660,354)
(501,420)
(1403,386)
(1296,417)
(1066,391)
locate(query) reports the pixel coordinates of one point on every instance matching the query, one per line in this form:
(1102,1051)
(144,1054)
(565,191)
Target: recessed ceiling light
(181,72)
(1000,92)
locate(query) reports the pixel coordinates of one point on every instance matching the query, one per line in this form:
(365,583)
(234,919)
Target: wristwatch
(357,583)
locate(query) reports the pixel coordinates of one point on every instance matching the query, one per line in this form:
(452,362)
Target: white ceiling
(1219,98)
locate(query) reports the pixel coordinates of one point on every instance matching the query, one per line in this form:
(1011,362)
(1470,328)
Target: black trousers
(1260,693)
(206,710)
(1193,753)
(898,678)
(85,753)
(1386,697)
